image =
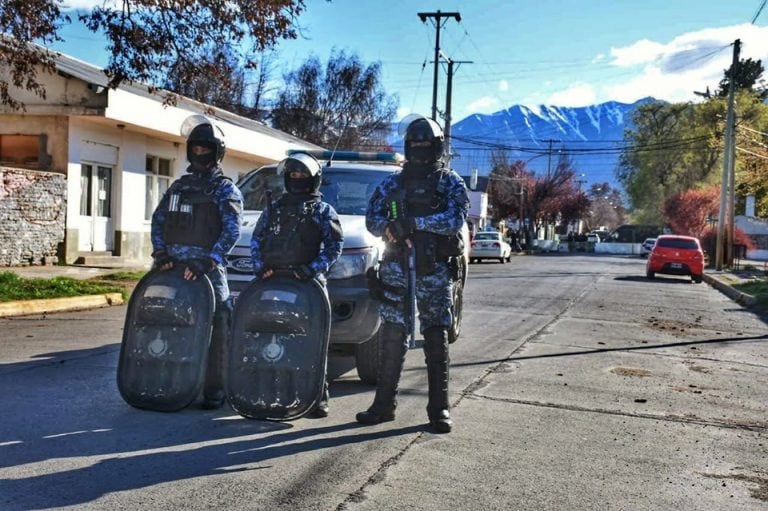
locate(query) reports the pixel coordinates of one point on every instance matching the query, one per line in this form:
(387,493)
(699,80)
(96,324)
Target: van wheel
(367,359)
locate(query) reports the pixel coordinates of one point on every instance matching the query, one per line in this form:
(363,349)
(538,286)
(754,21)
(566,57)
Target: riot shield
(165,340)
(278,349)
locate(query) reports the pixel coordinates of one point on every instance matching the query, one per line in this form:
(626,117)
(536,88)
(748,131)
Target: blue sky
(554,52)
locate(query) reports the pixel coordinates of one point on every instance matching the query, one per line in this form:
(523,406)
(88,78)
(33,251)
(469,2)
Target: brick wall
(32,216)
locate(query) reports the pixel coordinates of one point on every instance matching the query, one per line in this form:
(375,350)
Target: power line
(761,156)
(759,10)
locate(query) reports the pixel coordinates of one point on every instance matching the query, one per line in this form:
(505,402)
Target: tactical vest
(193,214)
(423,197)
(292,238)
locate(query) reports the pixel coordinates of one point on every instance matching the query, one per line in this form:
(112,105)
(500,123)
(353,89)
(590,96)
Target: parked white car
(647,246)
(348,182)
(490,245)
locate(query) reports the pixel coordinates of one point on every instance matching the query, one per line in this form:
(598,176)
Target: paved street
(577,384)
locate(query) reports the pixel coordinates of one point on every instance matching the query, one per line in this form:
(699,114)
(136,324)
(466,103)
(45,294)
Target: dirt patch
(761,480)
(631,371)
(676,328)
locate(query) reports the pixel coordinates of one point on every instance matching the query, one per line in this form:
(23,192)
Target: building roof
(68,65)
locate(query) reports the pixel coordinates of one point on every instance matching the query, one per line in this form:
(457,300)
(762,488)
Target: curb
(27,307)
(727,290)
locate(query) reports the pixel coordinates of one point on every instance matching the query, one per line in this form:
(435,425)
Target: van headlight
(353,262)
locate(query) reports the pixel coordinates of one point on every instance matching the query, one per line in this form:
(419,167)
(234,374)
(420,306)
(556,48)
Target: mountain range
(591,136)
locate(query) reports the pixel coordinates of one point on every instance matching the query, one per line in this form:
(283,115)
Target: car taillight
(496,245)
(474,244)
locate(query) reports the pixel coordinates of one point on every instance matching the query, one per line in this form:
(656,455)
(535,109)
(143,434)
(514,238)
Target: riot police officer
(298,232)
(196,224)
(424,206)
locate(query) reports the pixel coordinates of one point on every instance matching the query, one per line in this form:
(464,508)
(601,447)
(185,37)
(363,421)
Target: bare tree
(342,105)
(147,40)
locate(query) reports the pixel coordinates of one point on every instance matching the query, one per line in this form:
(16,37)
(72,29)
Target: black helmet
(424,141)
(201,131)
(308,166)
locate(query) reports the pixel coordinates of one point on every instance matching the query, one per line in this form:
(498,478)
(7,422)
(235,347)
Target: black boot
(321,408)
(436,354)
(392,349)
(213,390)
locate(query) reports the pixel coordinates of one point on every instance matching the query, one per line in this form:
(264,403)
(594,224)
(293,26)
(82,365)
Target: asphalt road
(577,385)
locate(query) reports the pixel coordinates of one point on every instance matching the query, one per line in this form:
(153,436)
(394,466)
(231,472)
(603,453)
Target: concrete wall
(32,211)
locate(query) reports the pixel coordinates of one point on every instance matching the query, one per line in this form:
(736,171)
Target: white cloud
(641,52)
(484,105)
(503,86)
(689,62)
(577,94)
(600,57)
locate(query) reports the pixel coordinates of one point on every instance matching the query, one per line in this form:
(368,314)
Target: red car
(676,255)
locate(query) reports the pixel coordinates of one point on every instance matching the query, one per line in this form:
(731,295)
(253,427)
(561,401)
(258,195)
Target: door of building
(96,229)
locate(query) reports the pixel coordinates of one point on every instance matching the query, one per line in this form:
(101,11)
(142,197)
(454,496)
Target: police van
(349,180)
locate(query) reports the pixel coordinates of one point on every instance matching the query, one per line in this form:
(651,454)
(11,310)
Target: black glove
(304,273)
(161,258)
(200,267)
(402,228)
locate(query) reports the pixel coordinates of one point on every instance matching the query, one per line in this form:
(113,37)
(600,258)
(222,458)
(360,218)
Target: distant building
(478,202)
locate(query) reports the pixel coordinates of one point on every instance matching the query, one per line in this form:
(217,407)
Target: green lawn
(13,287)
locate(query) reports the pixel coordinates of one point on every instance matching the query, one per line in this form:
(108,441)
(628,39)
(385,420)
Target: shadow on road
(138,470)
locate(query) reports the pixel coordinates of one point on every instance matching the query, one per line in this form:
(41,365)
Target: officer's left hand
(304,273)
(197,268)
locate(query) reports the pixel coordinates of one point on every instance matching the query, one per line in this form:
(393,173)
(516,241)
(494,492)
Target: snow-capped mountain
(591,136)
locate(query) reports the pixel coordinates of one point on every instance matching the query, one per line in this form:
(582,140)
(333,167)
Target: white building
(119,150)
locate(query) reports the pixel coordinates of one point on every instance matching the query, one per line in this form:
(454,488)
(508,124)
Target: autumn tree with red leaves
(687,212)
(546,199)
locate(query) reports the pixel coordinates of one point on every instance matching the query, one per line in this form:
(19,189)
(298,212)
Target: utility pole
(438,17)
(727,166)
(448,99)
(549,158)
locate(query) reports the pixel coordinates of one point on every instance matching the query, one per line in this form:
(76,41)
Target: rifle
(409,268)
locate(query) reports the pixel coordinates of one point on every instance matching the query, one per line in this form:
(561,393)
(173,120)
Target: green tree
(342,105)
(670,148)
(746,74)
(147,40)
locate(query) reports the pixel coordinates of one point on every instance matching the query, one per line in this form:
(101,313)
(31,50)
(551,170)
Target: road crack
(756,426)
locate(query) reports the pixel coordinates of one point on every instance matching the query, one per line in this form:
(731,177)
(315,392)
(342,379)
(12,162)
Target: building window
(158,180)
(21,151)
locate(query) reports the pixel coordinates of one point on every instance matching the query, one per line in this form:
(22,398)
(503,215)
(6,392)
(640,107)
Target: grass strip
(13,287)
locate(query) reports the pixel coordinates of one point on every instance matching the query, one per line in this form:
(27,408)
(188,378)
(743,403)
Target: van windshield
(347,190)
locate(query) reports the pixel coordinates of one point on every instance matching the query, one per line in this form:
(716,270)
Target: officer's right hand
(397,231)
(162,261)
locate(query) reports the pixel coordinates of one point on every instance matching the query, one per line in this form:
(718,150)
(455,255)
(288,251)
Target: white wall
(127,108)
(126,151)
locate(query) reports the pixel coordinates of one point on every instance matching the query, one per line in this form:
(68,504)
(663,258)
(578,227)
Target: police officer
(298,232)
(196,224)
(433,204)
